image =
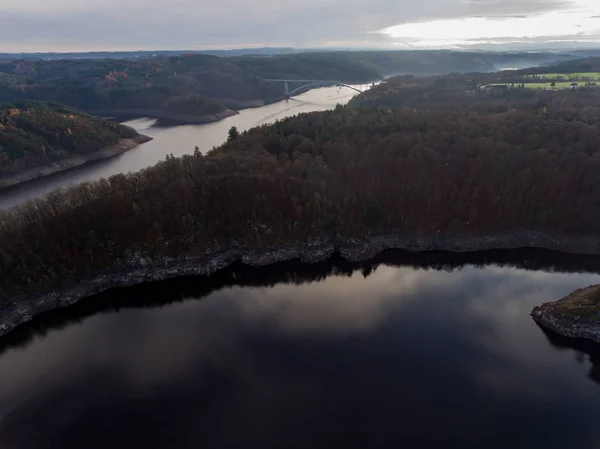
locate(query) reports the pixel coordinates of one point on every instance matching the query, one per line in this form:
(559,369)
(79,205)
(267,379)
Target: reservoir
(178,140)
(422,350)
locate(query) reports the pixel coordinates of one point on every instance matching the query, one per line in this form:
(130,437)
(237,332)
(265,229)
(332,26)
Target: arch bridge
(309,84)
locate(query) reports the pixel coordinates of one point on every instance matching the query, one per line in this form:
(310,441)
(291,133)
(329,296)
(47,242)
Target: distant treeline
(33,134)
(590,64)
(445,158)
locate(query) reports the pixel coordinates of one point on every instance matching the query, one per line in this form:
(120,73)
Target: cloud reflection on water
(264,358)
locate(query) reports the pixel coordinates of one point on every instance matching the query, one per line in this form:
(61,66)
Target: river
(178,140)
(416,351)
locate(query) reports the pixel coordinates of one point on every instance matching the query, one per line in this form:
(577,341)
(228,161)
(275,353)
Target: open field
(547,85)
(558,85)
(581,76)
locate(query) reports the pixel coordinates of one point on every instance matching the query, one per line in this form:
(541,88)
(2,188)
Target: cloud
(185,24)
(567,23)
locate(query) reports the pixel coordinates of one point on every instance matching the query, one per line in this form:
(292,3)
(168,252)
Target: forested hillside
(193,84)
(203,85)
(528,162)
(590,64)
(34,134)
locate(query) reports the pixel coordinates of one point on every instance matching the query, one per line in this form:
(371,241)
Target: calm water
(178,140)
(413,351)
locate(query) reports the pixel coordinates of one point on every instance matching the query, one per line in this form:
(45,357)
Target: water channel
(178,140)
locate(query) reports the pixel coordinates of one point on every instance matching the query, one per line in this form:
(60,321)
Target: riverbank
(165,118)
(575,316)
(25,307)
(66,164)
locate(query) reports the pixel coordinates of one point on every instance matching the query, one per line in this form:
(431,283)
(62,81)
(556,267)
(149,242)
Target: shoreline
(122,146)
(165,118)
(24,308)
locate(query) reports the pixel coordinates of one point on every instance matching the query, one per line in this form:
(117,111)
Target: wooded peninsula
(433,163)
(38,138)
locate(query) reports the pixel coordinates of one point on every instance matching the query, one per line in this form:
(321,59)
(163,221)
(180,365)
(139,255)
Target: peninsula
(38,139)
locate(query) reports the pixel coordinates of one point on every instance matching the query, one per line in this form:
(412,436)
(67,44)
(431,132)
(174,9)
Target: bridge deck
(306,81)
(309,84)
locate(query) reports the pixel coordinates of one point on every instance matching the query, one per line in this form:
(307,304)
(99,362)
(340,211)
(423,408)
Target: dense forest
(207,85)
(34,134)
(444,158)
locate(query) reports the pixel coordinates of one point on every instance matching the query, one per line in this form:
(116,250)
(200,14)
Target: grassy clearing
(583,303)
(558,85)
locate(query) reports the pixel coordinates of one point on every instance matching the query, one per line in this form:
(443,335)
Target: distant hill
(35,135)
(524,58)
(265,51)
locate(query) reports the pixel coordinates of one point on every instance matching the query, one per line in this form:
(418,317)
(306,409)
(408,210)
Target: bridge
(309,84)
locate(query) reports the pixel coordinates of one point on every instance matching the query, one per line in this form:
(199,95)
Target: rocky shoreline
(24,308)
(575,316)
(66,164)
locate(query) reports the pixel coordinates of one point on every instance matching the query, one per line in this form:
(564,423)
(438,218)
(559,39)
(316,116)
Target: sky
(92,25)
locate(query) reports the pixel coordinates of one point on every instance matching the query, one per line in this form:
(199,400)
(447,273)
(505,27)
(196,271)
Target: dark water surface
(422,351)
